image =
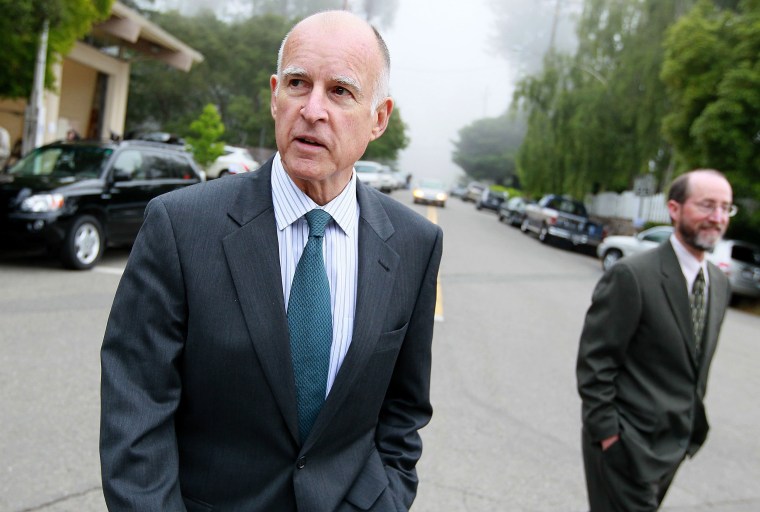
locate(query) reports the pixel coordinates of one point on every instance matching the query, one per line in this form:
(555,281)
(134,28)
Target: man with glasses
(645,351)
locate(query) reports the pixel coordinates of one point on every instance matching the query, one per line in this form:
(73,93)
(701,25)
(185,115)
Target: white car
(371,173)
(235,160)
(613,248)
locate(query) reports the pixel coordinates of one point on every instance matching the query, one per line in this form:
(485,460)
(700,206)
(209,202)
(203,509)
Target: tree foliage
(486,149)
(712,73)
(205,134)
(240,57)
(21,23)
(594,118)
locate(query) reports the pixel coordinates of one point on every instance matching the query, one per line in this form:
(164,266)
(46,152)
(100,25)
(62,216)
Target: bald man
(228,384)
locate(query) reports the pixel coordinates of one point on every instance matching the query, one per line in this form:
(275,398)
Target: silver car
(613,248)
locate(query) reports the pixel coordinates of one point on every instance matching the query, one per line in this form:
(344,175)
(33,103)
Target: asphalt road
(505,435)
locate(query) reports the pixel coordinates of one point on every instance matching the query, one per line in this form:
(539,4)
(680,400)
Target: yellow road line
(432,215)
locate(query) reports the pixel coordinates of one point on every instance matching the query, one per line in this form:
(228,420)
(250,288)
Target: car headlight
(440,196)
(41,203)
(419,193)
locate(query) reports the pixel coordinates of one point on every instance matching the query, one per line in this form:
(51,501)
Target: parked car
(490,200)
(612,248)
(740,261)
(562,217)
(430,191)
(388,182)
(370,173)
(513,210)
(235,160)
(77,197)
(473,192)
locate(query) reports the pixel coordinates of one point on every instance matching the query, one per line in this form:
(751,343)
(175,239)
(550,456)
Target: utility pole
(34,121)
(557,8)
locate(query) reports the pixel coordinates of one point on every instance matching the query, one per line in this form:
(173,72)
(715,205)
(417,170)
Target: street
(505,434)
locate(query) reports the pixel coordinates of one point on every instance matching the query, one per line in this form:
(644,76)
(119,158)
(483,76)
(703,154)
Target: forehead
(708,186)
(333,49)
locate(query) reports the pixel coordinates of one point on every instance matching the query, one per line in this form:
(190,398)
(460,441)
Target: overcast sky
(443,77)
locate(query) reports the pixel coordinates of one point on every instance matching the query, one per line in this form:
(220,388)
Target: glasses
(708,207)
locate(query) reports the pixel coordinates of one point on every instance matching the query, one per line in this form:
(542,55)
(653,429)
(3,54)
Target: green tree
(712,72)
(486,149)
(20,27)
(205,134)
(388,146)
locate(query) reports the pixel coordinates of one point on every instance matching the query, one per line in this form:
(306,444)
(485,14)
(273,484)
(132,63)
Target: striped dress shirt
(340,250)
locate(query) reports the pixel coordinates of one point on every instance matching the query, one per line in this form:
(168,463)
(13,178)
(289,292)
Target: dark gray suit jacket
(638,371)
(198,397)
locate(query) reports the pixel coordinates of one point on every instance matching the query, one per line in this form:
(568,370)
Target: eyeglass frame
(708,207)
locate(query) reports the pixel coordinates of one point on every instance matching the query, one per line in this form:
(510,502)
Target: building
(92,81)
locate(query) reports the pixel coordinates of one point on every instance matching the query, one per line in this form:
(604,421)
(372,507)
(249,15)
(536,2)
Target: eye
(342,91)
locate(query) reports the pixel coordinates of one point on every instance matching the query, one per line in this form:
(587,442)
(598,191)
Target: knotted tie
(310,324)
(697,303)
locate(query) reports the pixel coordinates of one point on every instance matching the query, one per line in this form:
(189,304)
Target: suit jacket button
(301,462)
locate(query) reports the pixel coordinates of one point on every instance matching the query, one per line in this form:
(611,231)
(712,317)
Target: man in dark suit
(645,351)
(203,371)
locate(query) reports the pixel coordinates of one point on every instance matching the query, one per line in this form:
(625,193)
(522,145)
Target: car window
(745,254)
(63,161)
(658,236)
(167,166)
(130,163)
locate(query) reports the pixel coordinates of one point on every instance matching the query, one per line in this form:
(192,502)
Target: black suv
(76,197)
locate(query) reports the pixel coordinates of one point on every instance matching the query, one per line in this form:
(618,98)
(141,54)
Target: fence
(629,207)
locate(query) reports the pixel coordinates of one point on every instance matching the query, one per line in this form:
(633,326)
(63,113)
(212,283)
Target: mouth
(310,141)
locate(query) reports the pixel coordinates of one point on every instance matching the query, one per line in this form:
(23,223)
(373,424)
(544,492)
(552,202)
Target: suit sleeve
(140,381)
(611,323)
(406,408)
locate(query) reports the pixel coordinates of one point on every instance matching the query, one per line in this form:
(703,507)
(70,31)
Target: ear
(382,116)
(674,208)
(273,97)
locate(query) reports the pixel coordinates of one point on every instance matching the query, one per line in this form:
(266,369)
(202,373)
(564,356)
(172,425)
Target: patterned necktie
(697,303)
(310,324)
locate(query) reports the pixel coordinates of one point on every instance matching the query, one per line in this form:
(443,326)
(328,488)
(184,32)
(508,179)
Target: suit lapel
(378,264)
(253,258)
(674,285)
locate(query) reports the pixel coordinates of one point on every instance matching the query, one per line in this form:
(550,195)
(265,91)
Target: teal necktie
(697,303)
(310,324)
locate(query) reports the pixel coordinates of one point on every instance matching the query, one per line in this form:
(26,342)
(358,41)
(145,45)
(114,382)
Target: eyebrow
(343,80)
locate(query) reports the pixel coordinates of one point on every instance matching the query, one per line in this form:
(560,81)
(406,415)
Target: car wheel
(500,217)
(478,206)
(543,234)
(83,245)
(223,173)
(443,204)
(524,226)
(610,258)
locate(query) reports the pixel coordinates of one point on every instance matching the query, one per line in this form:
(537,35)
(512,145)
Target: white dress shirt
(690,265)
(340,249)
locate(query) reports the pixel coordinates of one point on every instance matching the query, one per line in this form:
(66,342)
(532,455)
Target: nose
(314,109)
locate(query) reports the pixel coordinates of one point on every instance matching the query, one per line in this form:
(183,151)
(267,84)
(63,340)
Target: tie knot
(317,220)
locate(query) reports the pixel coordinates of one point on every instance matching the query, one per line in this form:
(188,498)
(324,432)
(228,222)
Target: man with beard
(645,351)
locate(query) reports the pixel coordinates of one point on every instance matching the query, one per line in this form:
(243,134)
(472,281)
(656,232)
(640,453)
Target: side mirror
(121,175)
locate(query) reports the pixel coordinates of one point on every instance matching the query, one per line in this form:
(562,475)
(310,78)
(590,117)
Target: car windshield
(746,254)
(78,162)
(431,184)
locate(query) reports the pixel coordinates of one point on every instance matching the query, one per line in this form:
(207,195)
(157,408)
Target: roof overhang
(141,35)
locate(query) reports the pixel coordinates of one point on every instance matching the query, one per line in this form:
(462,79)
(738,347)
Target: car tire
(223,173)
(500,217)
(543,234)
(83,244)
(610,258)
(524,226)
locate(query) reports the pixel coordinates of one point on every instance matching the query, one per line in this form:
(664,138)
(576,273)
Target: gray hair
(381,88)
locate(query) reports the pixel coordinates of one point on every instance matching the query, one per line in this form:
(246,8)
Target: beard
(702,237)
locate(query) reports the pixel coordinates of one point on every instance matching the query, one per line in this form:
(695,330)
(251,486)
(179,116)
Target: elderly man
(269,345)
(645,351)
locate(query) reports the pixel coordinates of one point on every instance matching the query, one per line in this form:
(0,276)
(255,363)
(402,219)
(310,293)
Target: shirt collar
(290,203)
(690,265)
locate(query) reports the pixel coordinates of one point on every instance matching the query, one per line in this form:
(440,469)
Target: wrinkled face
(702,219)
(322,102)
